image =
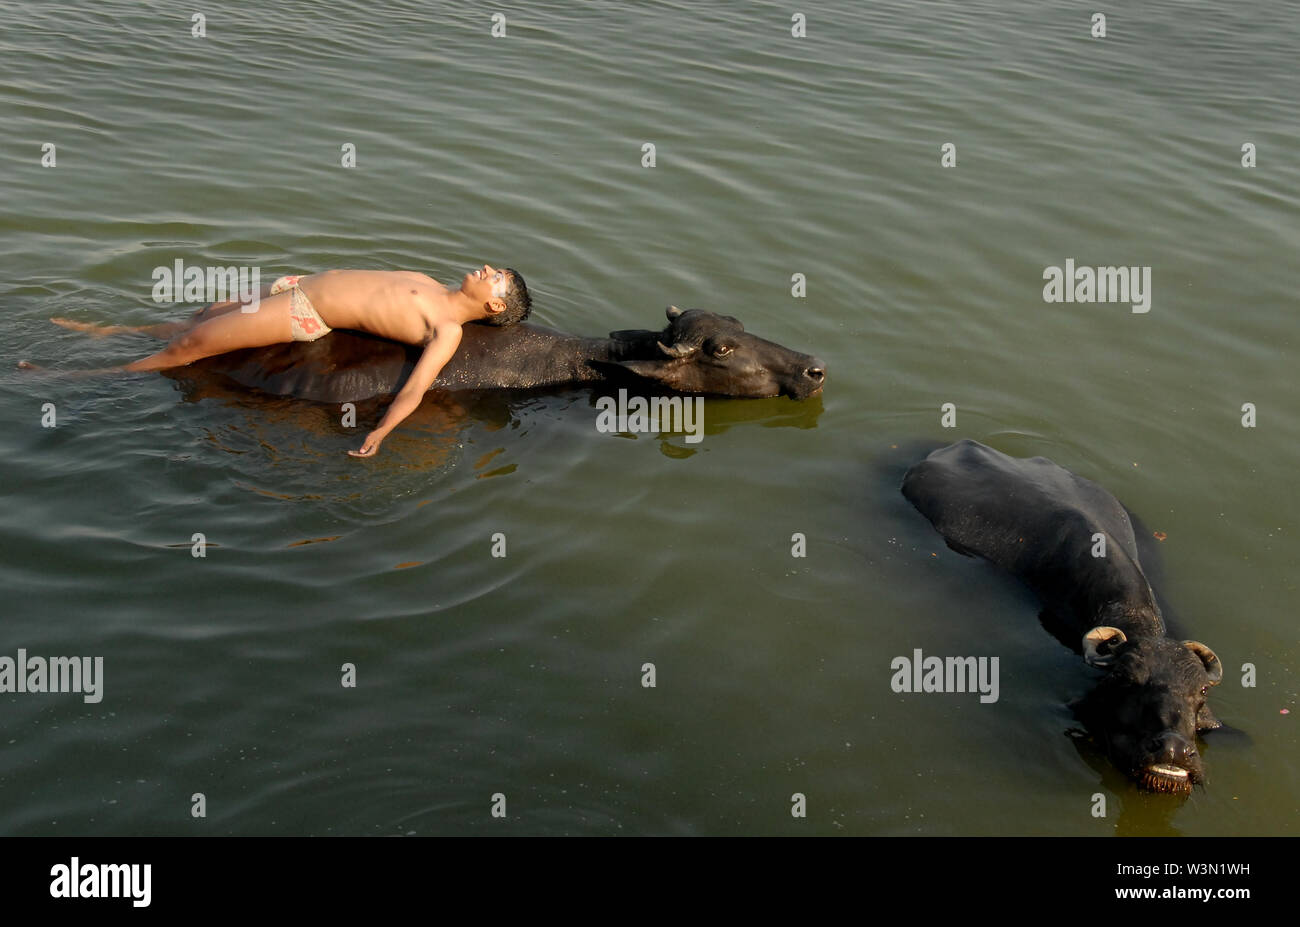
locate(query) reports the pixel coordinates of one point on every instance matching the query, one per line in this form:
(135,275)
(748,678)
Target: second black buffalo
(1043,523)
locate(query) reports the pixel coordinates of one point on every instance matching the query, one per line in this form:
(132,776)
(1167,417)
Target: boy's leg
(159,330)
(226,331)
(162,330)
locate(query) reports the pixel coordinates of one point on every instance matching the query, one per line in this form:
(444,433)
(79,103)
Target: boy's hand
(437,351)
(369,447)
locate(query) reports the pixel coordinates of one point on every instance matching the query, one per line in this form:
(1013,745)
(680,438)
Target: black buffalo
(697,352)
(1039,521)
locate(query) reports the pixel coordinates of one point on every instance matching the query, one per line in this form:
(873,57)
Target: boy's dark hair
(518,303)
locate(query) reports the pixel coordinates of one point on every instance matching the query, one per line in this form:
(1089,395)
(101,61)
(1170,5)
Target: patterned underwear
(304,321)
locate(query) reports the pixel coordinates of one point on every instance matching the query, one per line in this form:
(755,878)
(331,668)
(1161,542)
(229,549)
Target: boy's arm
(438,350)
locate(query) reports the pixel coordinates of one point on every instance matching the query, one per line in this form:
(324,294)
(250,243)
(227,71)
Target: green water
(522,675)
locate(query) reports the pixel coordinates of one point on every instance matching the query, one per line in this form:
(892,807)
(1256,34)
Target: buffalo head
(1151,705)
(703,352)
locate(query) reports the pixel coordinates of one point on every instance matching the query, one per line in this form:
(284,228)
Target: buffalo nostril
(815,373)
(1171,747)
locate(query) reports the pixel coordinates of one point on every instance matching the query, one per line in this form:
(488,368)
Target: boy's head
(502,293)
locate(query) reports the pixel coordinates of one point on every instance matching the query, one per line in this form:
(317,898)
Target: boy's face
(487,285)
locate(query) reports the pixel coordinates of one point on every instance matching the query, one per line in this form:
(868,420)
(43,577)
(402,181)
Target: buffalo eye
(721,350)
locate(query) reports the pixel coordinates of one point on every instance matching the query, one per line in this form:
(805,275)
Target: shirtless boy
(399,305)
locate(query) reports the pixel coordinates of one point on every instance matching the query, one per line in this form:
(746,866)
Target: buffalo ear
(1205,720)
(676,350)
(1100,644)
(660,371)
(1213,667)
(672,312)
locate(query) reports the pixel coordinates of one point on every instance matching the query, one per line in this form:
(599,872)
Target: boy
(399,305)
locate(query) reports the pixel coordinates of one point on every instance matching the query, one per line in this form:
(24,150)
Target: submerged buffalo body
(698,352)
(1040,522)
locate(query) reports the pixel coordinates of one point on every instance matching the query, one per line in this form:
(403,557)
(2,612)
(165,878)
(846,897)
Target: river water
(522,676)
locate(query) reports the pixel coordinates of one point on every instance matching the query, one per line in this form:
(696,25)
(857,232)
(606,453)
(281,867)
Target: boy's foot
(28,365)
